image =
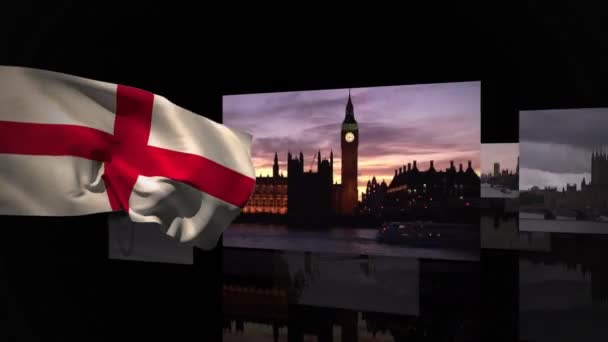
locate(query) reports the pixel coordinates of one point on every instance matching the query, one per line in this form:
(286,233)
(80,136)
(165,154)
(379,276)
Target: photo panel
(564,171)
(390,171)
(500,170)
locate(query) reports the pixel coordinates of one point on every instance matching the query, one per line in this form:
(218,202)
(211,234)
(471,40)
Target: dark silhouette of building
(591,198)
(448,183)
(599,168)
(413,190)
(309,194)
(373,197)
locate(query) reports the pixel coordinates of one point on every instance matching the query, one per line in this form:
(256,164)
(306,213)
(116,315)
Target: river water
(504,234)
(556,304)
(334,240)
(489,192)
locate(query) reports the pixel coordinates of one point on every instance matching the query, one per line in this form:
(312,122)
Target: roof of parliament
(411,174)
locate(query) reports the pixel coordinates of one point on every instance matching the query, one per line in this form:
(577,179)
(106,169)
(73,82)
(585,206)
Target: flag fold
(75,146)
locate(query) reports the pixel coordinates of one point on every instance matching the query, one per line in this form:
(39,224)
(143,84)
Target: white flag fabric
(75,146)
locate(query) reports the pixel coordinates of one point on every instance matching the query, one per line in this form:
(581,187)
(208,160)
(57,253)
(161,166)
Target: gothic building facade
(304,194)
(599,168)
(591,198)
(270,193)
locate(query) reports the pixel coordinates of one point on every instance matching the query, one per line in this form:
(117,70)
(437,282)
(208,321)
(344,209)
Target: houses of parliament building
(303,192)
(304,195)
(591,196)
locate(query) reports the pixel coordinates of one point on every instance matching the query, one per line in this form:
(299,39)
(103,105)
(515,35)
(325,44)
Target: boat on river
(419,233)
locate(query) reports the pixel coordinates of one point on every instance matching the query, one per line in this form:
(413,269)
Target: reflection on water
(255,332)
(356,282)
(556,304)
(564,293)
(298,296)
(500,228)
(502,233)
(362,283)
(334,240)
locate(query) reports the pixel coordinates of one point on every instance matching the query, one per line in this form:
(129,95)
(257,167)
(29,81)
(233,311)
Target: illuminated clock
(349,137)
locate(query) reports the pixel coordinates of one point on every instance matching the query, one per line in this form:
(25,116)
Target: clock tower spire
(349,141)
(350,111)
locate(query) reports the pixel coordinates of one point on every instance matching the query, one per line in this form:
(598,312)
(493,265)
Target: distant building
(591,197)
(599,168)
(505,178)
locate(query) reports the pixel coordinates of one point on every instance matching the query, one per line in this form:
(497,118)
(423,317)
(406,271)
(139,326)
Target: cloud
(533,177)
(555,158)
(581,128)
(556,145)
(289,107)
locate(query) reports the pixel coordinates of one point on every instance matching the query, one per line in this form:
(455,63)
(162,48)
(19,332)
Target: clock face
(349,137)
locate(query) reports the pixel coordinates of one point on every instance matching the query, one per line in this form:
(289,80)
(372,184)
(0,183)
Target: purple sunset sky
(397,124)
(505,154)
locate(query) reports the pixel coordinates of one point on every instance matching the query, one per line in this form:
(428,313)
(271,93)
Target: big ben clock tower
(349,141)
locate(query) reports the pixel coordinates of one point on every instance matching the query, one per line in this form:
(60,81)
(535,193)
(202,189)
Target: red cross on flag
(75,146)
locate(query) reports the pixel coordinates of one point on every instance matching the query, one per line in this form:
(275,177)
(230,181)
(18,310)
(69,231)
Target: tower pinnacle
(275,166)
(350,110)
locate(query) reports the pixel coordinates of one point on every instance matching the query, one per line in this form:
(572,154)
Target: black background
(55,280)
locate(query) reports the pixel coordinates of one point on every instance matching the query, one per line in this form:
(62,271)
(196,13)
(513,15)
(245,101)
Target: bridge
(575,213)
